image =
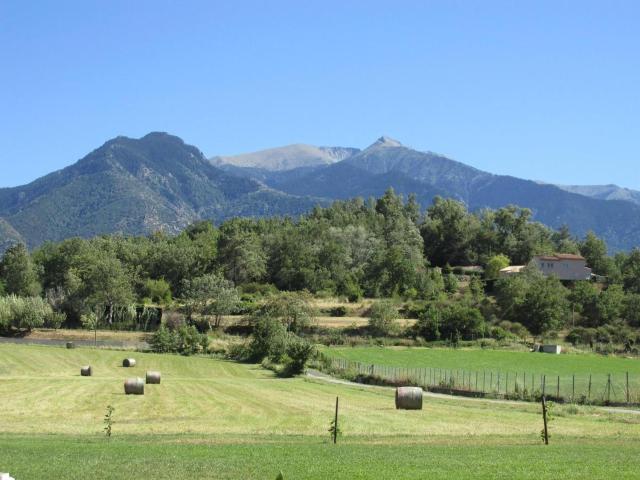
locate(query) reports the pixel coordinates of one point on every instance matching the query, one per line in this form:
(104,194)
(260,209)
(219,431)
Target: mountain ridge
(157,182)
(136,186)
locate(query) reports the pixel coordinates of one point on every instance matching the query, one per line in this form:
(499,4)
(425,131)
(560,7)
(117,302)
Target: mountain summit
(385,141)
(288,157)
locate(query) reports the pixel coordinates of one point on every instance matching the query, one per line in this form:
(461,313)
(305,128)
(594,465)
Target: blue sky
(541,90)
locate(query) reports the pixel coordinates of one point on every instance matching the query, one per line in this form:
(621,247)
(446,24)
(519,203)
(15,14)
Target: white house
(565,266)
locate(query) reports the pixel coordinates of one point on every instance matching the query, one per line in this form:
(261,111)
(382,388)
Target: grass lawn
(476,359)
(216,419)
(189,458)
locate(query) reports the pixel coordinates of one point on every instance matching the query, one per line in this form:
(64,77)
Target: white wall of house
(563,268)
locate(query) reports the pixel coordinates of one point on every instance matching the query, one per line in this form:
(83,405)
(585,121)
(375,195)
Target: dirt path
(314,374)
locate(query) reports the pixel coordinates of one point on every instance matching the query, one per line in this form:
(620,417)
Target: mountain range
(157,182)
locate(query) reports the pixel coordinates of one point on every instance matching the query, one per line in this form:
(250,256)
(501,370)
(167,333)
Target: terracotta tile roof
(560,256)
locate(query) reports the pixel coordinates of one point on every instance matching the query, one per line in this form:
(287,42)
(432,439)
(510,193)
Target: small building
(555,349)
(512,270)
(565,266)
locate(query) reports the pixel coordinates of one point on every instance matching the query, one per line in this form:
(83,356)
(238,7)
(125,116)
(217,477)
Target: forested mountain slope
(135,186)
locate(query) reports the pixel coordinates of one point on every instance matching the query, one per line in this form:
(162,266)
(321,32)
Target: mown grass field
(216,419)
(525,364)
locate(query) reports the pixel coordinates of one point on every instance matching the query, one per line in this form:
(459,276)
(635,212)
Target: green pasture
(510,365)
(211,418)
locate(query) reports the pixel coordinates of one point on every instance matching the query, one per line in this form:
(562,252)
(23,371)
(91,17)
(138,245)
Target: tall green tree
(631,271)
(209,295)
(494,265)
(448,233)
(540,303)
(106,282)
(594,250)
(241,254)
(19,272)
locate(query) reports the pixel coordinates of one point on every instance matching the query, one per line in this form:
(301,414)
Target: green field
(216,419)
(525,364)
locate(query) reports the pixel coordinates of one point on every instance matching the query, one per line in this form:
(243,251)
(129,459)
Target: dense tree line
(383,247)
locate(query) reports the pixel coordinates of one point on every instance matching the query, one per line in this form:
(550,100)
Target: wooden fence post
(544,419)
(335,424)
(589,391)
(627,388)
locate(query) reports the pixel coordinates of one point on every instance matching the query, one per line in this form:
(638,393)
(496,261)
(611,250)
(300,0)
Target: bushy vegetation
(376,248)
(24,313)
(186,340)
(274,337)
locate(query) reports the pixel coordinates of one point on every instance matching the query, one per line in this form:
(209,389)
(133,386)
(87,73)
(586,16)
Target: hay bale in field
(134,386)
(129,362)
(153,377)
(86,371)
(70,345)
(409,398)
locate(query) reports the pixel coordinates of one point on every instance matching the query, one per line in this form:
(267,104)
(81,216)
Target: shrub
(299,351)
(158,291)
(5,314)
(191,341)
(185,341)
(581,336)
(499,333)
(23,313)
(382,318)
(351,289)
(173,320)
(450,283)
(268,340)
(55,320)
(163,341)
(452,322)
(260,289)
(292,309)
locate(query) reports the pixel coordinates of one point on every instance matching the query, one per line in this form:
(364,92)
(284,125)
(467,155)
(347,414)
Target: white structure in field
(6,476)
(552,349)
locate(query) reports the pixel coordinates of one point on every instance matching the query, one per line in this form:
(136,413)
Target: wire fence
(598,389)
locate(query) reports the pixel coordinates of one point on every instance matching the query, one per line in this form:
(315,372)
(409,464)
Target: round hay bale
(86,371)
(129,362)
(153,377)
(70,345)
(409,398)
(134,386)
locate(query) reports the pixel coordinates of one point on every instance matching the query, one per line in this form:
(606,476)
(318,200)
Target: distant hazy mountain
(137,186)
(604,192)
(134,186)
(287,158)
(388,163)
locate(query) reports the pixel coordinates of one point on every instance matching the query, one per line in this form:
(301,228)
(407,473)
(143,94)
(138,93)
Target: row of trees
(378,248)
